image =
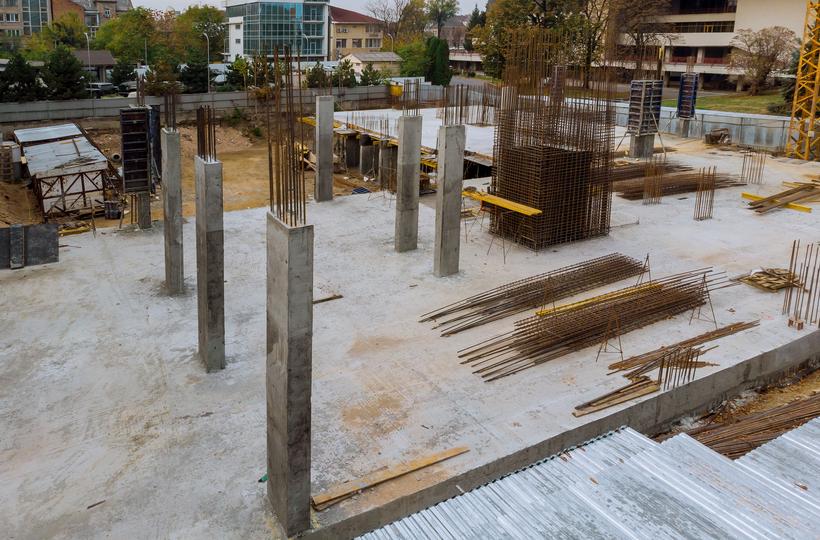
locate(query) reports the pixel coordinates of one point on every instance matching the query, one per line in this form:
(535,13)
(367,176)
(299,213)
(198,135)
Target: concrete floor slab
(104,400)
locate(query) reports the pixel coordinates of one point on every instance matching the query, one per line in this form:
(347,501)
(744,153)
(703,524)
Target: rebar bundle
(671,184)
(532,292)
(170,109)
(627,171)
(205,133)
(286,175)
(553,333)
(469,104)
(802,299)
(677,366)
(754,162)
(705,198)
(737,438)
(553,142)
(653,181)
(455,105)
(410,98)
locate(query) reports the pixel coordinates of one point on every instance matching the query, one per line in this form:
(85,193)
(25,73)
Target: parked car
(99,89)
(127,87)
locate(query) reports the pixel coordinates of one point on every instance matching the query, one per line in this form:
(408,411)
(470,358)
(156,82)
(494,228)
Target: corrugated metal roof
(47,133)
(379,56)
(623,485)
(63,157)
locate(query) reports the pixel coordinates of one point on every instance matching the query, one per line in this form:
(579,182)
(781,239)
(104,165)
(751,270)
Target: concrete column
(351,151)
(449,177)
(210,263)
(387,166)
(172,211)
(144,210)
(365,155)
(323,180)
(17,246)
(289,370)
(641,146)
(408,171)
(376,152)
(684,125)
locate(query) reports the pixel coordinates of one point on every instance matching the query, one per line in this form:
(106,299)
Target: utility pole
(208,61)
(88,51)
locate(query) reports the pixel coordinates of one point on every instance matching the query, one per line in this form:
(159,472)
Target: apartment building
(704,30)
(94,13)
(23,18)
(11,19)
(353,33)
(257,27)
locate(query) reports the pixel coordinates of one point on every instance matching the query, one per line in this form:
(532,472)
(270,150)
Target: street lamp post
(88,51)
(391,40)
(208,61)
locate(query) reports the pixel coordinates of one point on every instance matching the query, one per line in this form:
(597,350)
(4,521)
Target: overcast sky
(355,5)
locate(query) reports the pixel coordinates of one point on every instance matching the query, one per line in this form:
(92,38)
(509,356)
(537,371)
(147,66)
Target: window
(342,30)
(356,43)
(238,26)
(238,40)
(107,13)
(341,43)
(373,43)
(372,28)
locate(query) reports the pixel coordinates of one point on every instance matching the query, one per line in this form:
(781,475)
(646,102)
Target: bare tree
(390,13)
(637,20)
(760,53)
(593,21)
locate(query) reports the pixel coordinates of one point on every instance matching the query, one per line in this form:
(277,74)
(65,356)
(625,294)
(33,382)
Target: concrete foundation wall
(651,416)
(172,211)
(210,263)
(288,371)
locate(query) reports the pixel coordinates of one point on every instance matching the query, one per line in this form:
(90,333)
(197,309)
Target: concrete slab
(110,404)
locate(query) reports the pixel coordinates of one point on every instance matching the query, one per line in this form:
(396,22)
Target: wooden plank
(347,489)
(790,206)
(501,202)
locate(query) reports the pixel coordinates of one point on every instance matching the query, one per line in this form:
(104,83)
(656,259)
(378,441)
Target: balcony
(715,61)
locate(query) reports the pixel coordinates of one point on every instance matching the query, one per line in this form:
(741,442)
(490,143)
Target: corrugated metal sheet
(64,157)
(47,133)
(624,485)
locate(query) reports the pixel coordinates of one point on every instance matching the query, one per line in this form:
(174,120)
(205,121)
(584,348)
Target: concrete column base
(449,177)
(684,124)
(351,151)
(172,211)
(323,179)
(366,156)
(144,210)
(210,263)
(641,146)
(289,371)
(408,171)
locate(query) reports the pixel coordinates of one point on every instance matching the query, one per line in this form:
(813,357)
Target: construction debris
(532,292)
(769,279)
(784,199)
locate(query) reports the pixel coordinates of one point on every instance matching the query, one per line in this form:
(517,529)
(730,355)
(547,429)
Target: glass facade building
(35,15)
(265,25)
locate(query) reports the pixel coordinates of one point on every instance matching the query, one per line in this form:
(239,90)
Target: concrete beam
(641,146)
(408,166)
(172,211)
(289,371)
(323,179)
(210,263)
(449,177)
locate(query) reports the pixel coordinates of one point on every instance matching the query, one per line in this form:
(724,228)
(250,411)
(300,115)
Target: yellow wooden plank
(501,202)
(790,206)
(600,298)
(348,489)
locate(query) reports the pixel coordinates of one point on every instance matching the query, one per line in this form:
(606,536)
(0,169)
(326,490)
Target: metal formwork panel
(644,107)
(136,151)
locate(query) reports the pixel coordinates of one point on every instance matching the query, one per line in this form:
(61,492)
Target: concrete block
(449,177)
(210,263)
(351,151)
(408,163)
(172,211)
(323,179)
(641,146)
(366,155)
(42,244)
(289,371)
(17,247)
(387,166)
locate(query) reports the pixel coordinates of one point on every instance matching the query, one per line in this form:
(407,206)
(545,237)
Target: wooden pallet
(770,279)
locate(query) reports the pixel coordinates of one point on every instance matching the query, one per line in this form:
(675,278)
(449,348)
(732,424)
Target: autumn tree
(503,16)
(403,20)
(68,30)
(129,35)
(759,54)
(439,11)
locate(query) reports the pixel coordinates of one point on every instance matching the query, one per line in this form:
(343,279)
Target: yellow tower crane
(803,141)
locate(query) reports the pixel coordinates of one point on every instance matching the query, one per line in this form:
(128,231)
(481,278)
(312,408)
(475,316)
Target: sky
(355,5)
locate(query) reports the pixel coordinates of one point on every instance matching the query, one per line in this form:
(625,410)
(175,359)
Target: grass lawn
(743,103)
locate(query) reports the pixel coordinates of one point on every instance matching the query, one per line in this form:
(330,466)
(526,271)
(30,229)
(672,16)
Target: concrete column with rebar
(172,211)
(641,146)
(408,164)
(323,180)
(289,371)
(210,263)
(449,177)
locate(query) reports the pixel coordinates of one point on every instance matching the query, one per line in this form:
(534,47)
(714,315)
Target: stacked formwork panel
(553,143)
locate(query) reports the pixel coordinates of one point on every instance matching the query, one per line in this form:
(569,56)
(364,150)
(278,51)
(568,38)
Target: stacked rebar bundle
(469,104)
(627,171)
(205,133)
(735,439)
(672,184)
(286,176)
(705,198)
(410,98)
(553,142)
(553,333)
(802,300)
(677,366)
(532,292)
(754,162)
(653,181)
(455,105)
(170,109)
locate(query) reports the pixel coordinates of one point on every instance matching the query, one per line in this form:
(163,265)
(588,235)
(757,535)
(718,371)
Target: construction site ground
(112,427)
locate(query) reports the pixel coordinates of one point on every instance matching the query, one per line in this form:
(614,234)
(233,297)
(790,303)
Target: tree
(196,76)
(187,40)
(162,80)
(371,76)
(68,30)
(476,20)
(238,71)
(127,35)
(390,13)
(344,75)
(758,54)
(638,21)
(19,81)
(123,71)
(439,11)
(592,23)
(64,75)
(438,62)
(413,59)
(503,16)
(316,77)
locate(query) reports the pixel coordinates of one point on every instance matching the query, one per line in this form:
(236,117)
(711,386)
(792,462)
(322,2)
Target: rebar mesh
(552,148)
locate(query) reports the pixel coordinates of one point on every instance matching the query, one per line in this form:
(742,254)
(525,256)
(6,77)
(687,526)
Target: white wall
(235,34)
(757,14)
